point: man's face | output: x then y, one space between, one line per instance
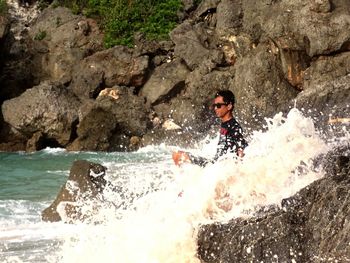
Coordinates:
220 107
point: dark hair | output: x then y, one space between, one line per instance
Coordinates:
227 96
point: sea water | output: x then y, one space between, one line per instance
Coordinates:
154 209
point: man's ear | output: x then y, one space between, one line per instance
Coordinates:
230 106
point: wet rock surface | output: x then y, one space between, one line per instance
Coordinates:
85 183
311 226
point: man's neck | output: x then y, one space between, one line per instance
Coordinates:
227 117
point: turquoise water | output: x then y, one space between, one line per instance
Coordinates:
29 182
33 177
38 176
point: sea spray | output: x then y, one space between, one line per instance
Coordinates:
276 165
161 224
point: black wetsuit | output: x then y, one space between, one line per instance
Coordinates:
230 140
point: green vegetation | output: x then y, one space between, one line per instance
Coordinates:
3 7
40 35
121 19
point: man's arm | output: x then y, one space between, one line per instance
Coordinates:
181 157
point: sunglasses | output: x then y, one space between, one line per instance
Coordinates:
218 105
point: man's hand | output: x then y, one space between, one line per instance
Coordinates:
180 157
240 153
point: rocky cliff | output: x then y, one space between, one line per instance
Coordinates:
60 87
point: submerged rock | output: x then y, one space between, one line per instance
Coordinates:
85 183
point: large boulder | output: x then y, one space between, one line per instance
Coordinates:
260 86
229 15
115 66
111 121
167 81
327 92
60 40
290 25
311 226
48 108
326 69
196 44
85 184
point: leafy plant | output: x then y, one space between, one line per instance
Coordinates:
3 7
121 19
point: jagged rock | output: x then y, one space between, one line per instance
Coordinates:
312 226
135 143
259 85
95 129
188 37
111 92
107 124
170 125
16 75
294 65
115 66
60 41
4 30
85 183
36 142
229 17
326 69
166 82
47 108
321 6
206 6
291 23
4 27
11 140
327 93
144 46
329 101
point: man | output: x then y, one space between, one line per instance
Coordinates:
231 139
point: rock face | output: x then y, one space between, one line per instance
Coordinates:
327 87
109 122
312 226
48 108
167 87
273 55
115 66
85 183
60 41
4 27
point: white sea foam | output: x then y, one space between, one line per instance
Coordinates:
160 226
53 150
